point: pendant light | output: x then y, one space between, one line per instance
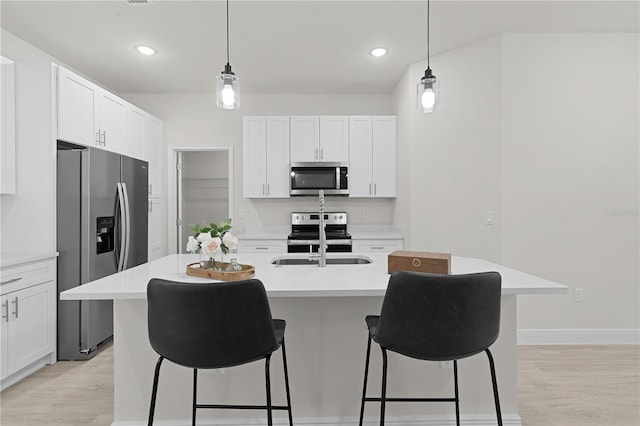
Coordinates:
227 84
428 87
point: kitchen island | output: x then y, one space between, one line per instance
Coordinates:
326 343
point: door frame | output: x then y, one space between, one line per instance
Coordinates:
172 193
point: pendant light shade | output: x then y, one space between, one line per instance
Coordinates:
227 83
428 91
227 89
428 86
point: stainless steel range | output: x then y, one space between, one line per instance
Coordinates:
305 233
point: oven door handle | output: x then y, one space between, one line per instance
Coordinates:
346 242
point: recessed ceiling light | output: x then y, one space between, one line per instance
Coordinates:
146 50
378 51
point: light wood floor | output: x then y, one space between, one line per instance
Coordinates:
557 386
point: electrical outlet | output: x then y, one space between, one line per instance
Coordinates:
242 214
577 295
488 217
446 365
254 214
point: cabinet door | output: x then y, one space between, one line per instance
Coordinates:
153 149
4 340
254 134
7 127
384 156
277 157
360 155
134 132
111 121
305 138
157 229
334 139
76 114
31 326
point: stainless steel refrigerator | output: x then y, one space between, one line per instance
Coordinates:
102 203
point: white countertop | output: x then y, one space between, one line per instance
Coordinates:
358 232
16 258
298 281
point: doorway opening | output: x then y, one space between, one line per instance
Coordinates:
202 191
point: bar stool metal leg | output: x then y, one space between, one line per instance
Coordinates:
195 391
383 396
495 386
366 375
455 379
286 383
154 392
268 382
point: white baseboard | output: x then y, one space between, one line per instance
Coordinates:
467 420
580 336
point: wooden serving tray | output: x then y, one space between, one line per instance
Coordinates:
195 270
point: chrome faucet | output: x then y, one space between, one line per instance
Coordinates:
322 246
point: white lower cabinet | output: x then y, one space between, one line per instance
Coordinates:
28 305
157 229
379 246
262 246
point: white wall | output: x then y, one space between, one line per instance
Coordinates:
451 158
194 120
543 129
570 161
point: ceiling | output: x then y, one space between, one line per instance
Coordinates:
282 46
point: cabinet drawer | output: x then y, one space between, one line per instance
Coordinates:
262 247
26 275
379 246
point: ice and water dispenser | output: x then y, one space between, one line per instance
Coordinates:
104 240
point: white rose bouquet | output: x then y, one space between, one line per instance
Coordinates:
211 240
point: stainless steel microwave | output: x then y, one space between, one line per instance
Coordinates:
309 178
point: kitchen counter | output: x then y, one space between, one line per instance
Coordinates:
298 281
326 344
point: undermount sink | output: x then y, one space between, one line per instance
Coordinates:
354 260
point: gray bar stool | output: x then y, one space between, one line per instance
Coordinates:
436 318
207 326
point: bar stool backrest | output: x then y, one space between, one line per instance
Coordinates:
440 317
210 325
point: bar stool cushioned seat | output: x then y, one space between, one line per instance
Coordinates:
435 318
217 325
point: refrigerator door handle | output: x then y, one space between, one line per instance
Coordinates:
127 213
123 235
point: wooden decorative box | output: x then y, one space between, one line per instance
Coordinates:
419 261
248 271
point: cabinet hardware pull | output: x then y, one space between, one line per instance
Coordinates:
5 305
375 189
262 248
104 138
377 248
15 301
12 280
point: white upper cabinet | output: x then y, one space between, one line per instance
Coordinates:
372 145
320 139
77 98
7 127
153 149
92 116
111 111
305 138
265 157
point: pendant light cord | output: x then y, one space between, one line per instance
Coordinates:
428 62
227 32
